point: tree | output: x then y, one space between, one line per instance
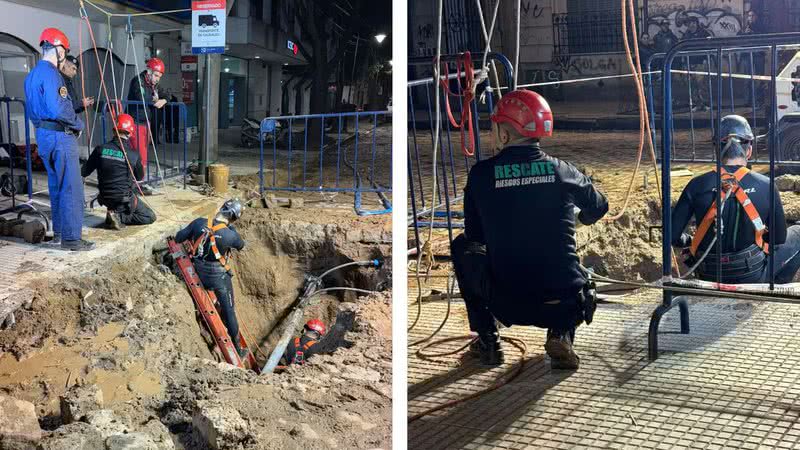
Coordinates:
318 19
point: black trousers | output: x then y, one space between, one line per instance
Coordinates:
787 263
215 278
484 304
134 212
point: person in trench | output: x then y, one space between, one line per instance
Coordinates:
306 345
212 240
745 210
118 170
516 260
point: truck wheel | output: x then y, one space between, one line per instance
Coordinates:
789 136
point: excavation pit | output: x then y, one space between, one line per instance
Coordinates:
129 328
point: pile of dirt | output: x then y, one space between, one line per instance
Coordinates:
130 329
623 248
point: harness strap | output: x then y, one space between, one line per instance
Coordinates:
731 181
208 234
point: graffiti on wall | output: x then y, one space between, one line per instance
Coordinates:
601 64
718 17
531 10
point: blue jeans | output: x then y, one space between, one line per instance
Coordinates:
59 152
215 278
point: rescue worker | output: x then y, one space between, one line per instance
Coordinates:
144 88
57 127
745 218
212 240
116 183
516 260
69 69
302 347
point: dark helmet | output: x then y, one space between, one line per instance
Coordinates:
232 209
735 126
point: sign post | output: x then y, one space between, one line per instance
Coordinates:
208 26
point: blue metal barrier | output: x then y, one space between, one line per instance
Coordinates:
168 126
334 167
716 47
8 144
744 59
453 172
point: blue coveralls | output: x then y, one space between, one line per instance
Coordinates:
50 106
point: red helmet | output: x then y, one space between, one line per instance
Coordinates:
316 325
54 37
526 111
156 64
125 123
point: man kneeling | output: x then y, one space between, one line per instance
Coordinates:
116 183
745 217
517 260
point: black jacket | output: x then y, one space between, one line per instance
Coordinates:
77 101
151 95
291 350
737 234
520 204
227 238
664 41
113 174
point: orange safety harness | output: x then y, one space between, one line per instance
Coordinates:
208 234
299 354
467 95
731 181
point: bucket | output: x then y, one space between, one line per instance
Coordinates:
218 177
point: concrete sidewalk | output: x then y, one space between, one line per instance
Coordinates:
731 383
24 263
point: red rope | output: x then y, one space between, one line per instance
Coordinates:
467 96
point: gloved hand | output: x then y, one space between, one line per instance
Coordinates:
686 241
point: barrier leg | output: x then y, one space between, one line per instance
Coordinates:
655 321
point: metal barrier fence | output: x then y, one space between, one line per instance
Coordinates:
168 127
330 164
453 169
714 48
745 84
7 143
718 47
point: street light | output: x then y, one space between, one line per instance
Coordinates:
380 37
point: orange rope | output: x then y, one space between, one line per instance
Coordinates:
113 113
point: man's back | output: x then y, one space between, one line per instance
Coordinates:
738 231
226 238
520 204
113 173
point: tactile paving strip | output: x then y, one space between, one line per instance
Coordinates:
731 383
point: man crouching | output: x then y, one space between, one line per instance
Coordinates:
517 260
118 170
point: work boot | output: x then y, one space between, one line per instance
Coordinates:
146 189
559 349
487 348
79 245
113 220
243 352
56 239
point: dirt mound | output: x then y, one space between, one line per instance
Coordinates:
623 249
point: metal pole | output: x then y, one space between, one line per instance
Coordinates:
210 111
353 74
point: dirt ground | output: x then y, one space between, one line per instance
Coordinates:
130 329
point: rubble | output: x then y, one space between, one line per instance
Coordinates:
79 401
18 422
221 427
